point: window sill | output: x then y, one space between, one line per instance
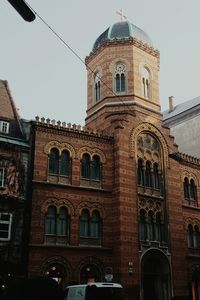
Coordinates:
149 191
89 241
90 183
56 240
59 179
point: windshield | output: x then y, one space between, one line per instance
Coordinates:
103 293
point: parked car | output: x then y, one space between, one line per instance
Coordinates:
94 291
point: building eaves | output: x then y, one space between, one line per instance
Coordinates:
183 109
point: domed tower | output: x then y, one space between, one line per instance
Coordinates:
122 72
123 101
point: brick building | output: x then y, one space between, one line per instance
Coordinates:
116 199
14 153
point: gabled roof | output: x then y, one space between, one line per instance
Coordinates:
8 111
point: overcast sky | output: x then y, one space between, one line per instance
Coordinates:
48 80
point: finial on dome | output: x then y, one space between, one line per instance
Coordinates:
121 14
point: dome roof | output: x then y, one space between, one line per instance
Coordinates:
122 31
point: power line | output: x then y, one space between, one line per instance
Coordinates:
73 51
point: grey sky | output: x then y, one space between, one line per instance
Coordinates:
48 80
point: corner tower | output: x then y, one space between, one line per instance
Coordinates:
122 72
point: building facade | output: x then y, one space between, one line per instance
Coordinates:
14 154
116 200
184 123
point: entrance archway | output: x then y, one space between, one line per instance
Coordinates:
57 272
58 268
155 276
89 273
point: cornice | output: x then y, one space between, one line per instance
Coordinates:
186 158
129 41
77 187
72 130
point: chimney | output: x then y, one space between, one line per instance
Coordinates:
171 103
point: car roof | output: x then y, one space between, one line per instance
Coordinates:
98 284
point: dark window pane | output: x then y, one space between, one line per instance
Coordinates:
4 227
156 179
95 168
62 222
150 228
85 166
65 163
122 82
50 221
5 217
148 175
117 83
190 236
84 223
4 234
186 188
95 225
143 226
192 190
140 173
54 161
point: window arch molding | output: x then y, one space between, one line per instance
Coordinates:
96 83
154 131
193 233
91 152
146 78
119 69
98 70
60 147
58 203
190 183
91 208
144 65
192 221
119 60
190 176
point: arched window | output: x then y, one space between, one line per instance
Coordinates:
140 173
62 221
97 86
50 221
143 225
196 237
84 223
150 226
146 88
95 224
156 179
148 175
158 228
85 166
186 188
120 78
190 236
65 163
95 168
192 190
54 161
90 169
